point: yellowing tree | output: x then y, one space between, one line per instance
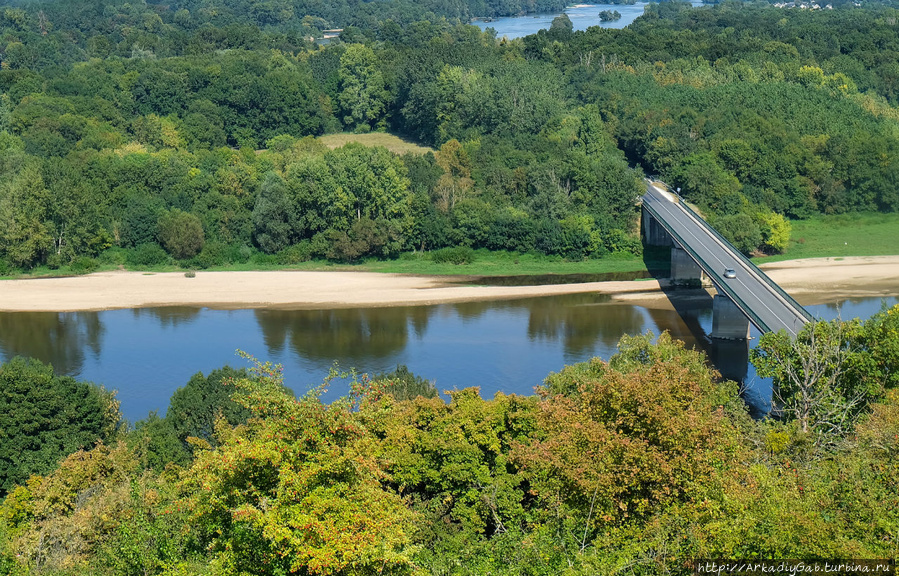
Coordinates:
296 491
455 183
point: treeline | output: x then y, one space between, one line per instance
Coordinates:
646 462
58 32
145 154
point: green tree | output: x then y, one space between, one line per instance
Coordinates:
363 93
402 384
181 233
820 380
274 220
741 230
195 407
25 237
44 417
560 28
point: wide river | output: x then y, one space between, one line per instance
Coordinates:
510 346
582 16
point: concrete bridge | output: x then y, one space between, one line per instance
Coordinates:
745 293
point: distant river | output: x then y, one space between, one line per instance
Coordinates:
582 17
508 346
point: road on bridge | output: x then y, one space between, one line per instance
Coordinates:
767 306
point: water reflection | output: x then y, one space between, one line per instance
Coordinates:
169 316
59 338
582 321
354 335
508 346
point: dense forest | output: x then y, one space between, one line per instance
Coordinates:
142 134
636 466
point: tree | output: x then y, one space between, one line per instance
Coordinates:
181 233
561 27
44 417
740 230
620 442
816 383
25 237
273 216
363 93
455 183
296 490
402 384
775 230
195 407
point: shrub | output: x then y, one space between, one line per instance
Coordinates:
181 233
295 254
150 254
84 265
54 261
114 255
212 254
457 255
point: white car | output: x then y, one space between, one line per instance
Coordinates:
730 273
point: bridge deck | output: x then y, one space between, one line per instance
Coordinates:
766 305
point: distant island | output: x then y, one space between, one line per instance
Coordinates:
609 15
623 2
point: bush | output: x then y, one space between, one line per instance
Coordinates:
295 254
84 265
54 261
5 268
113 255
212 254
457 255
181 233
150 254
263 259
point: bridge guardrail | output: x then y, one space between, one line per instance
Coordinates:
704 265
771 283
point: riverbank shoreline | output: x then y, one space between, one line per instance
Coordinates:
810 281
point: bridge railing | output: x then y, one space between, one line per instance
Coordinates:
745 308
765 278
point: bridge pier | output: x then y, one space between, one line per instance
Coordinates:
728 321
683 267
653 232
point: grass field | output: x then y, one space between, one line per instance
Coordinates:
487 263
393 143
842 235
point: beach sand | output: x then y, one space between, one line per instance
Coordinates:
810 281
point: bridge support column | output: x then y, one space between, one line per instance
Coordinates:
683 267
653 232
728 321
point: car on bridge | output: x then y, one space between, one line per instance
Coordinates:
730 273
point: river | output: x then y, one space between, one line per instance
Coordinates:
582 16
509 346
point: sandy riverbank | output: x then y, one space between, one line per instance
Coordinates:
811 281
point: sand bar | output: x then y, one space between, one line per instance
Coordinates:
811 281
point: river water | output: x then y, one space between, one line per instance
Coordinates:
509 346
582 16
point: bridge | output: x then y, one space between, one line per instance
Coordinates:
745 294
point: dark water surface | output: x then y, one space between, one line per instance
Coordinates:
507 346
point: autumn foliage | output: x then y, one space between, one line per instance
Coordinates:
636 465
